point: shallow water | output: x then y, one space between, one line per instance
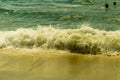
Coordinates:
54 67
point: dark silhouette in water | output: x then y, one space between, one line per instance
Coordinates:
114 3
106 6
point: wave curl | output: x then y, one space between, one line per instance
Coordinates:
84 40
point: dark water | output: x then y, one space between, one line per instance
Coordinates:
82 67
15 14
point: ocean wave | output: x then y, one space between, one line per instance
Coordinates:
84 40
6 10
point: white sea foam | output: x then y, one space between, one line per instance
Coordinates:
82 40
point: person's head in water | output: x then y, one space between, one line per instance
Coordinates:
106 6
114 3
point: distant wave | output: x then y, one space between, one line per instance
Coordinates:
24 12
85 40
6 10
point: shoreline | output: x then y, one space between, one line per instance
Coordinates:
48 52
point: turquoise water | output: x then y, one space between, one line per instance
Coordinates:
16 14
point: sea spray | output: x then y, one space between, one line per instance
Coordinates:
84 40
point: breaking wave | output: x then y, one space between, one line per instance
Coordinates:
84 40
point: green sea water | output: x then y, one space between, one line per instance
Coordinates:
65 14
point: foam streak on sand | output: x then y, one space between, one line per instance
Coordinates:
84 40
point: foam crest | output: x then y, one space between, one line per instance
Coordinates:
83 40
